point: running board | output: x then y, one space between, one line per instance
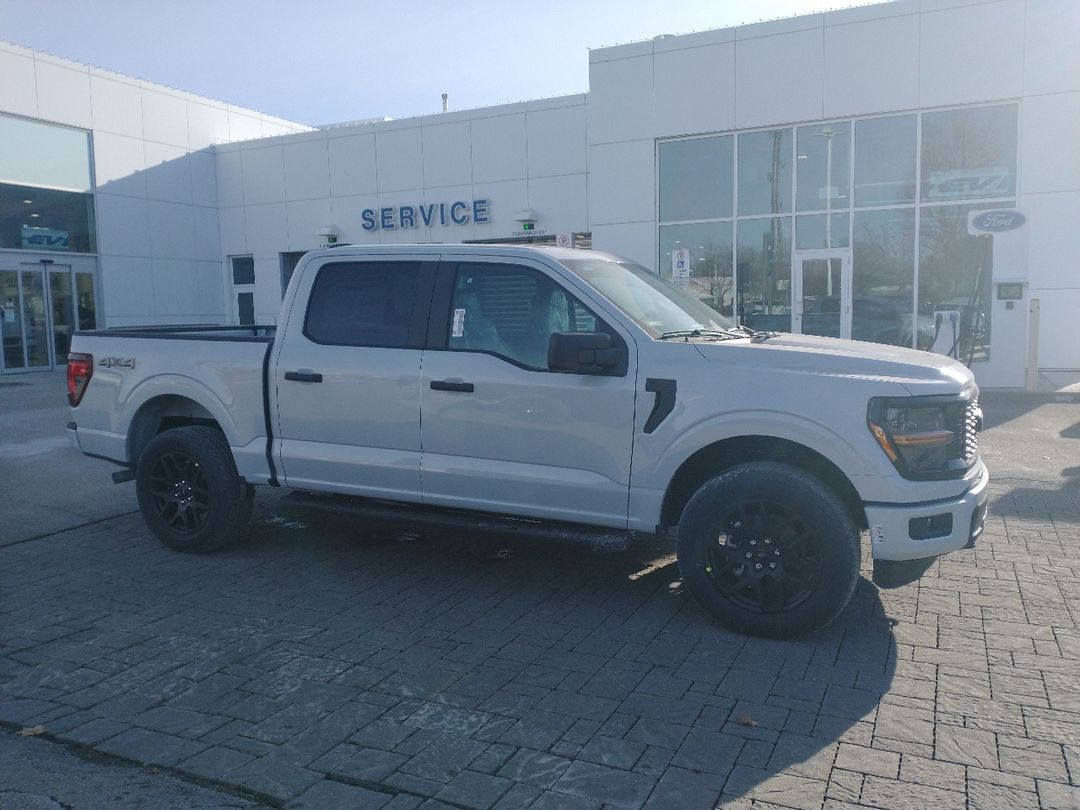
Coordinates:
599 539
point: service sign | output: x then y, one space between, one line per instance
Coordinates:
996 221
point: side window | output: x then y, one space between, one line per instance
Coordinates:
512 311
363 304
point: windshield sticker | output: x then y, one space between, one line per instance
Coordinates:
459 323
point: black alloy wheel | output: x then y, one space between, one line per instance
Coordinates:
189 491
767 549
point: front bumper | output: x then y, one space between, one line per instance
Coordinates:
891 524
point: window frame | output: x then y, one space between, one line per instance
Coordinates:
418 319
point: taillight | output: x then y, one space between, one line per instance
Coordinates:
79 371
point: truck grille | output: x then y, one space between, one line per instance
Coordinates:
972 421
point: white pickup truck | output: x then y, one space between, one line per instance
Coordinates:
561 389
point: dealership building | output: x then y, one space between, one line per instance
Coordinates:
905 173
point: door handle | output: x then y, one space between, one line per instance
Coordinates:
303 376
451 385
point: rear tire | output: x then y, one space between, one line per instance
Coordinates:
189 492
768 549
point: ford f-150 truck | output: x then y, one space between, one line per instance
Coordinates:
558 388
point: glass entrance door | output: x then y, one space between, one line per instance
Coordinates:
821 294
41 307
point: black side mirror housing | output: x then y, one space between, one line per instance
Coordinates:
587 353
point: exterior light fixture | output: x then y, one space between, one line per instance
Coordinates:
328 235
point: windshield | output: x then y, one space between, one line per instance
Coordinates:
656 305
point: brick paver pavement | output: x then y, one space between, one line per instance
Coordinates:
343 667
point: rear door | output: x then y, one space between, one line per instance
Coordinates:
347 377
500 431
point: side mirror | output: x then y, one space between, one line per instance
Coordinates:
586 353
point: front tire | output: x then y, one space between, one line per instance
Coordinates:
768 549
189 492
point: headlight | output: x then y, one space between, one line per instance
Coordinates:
922 436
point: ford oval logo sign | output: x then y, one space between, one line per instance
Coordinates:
997 221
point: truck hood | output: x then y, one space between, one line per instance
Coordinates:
921 373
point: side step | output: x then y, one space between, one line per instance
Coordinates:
598 539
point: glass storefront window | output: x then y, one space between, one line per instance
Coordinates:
696 179
33 153
885 161
710 260
765 172
954 276
822 166
883 301
46 219
816 231
764 273
969 154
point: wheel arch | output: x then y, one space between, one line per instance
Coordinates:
715 458
161 413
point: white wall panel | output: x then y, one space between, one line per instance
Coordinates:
266 229
203 178
233 231
207 235
345 215
620 99
211 292
119 164
631 240
621 183
307 169
1049 150
305 217
1052 46
18 90
264 175
123 225
974 53
872 66
1053 241
695 90
165 118
507 198
63 94
447 154
168 173
779 79
399 158
172 230
243 127
127 289
352 164
116 106
176 288
561 202
230 177
207 125
557 141
498 148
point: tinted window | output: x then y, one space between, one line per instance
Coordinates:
512 311
363 304
243 270
969 154
885 161
765 172
696 178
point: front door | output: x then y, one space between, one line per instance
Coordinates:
502 433
821 294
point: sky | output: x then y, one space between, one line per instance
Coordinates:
329 61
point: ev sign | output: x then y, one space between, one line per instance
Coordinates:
680 267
